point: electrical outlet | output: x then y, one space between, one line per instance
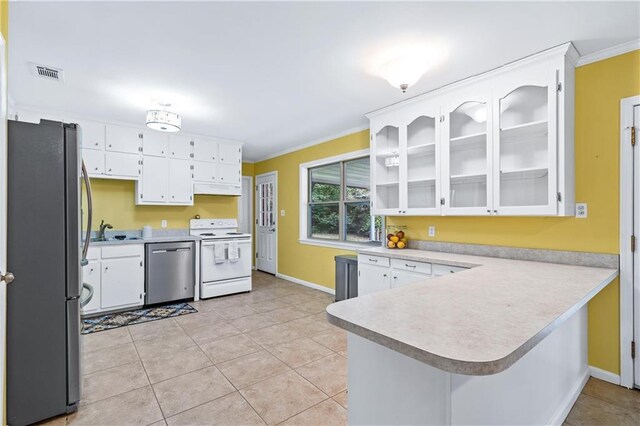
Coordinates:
163 223
282 213
581 210
432 231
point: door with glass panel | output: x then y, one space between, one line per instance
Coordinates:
266 225
525 144
385 166
466 158
420 160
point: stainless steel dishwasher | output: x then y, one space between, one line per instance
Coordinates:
170 272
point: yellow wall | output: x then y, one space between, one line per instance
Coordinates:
113 201
4 20
309 263
599 88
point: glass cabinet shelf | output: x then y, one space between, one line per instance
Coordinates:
387 183
476 137
468 178
426 148
527 173
524 131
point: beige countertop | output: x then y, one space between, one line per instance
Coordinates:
476 322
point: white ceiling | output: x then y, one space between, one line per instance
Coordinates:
275 75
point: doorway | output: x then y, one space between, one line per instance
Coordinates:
245 206
266 222
629 244
3 221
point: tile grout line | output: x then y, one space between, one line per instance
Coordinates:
148 378
610 402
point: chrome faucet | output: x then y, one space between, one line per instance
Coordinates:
103 227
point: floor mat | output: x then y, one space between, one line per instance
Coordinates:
122 319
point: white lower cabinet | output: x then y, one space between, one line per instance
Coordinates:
379 273
117 276
372 279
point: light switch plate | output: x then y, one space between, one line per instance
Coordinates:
581 210
163 223
432 231
281 212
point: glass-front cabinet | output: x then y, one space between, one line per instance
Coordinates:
467 178
525 144
496 144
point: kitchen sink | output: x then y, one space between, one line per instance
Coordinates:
97 239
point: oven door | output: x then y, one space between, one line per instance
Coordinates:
212 271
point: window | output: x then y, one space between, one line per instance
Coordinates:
337 202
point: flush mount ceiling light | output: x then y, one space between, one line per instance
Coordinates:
163 120
404 65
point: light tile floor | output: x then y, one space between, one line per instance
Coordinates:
268 356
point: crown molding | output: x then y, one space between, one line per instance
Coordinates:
314 142
609 52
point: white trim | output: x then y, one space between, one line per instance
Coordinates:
3 219
336 244
605 375
304 182
569 401
307 284
275 209
252 194
315 142
626 230
609 52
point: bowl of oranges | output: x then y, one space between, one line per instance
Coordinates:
396 238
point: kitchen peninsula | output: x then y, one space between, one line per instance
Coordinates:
502 342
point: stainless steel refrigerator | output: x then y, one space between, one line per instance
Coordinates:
45 254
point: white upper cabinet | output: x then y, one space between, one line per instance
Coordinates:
94 161
205 172
180 183
496 144
122 165
205 150
153 188
123 139
421 170
466 165
230 153
385 169
230 174
92 134
525 143
155 143
180 146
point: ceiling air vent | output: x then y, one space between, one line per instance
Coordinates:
49 73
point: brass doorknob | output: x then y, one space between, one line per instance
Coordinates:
8 277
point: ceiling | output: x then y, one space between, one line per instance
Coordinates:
275 75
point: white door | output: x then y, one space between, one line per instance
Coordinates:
180 183
155 143
155 179
123 139
245 206
266 222
636 257
372 279
122 282
3 217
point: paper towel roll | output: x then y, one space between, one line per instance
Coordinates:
147 232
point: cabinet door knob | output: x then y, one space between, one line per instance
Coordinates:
109 169
106 268
96 144
109 145
222 159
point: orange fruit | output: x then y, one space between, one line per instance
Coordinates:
391 244
400 244
395 239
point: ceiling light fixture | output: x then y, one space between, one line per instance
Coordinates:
404 71
163 120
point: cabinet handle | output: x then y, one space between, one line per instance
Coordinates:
410 266
141 263
106 268
489 211
162 196
109 145
173 153
109 169
373 260
495 211
96 144
95 168
91 270
385 275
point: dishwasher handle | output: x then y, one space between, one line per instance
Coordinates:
170 250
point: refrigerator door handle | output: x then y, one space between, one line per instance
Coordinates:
87 238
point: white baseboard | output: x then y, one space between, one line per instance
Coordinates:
306 283
605 375
571 399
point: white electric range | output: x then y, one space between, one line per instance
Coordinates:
221 272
